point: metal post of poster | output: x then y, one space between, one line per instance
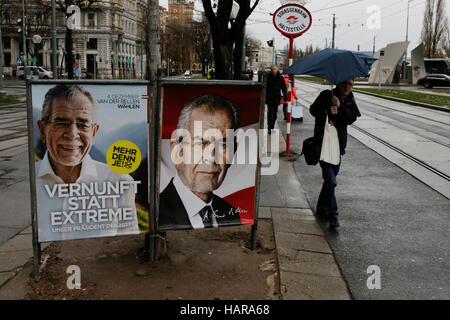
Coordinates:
291 20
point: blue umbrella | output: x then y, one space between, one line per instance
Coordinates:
333 65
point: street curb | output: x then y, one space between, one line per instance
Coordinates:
13 104
420 104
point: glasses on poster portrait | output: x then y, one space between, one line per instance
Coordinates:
203 149
64 125
206 144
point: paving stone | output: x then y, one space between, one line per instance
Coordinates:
10 261
5 276
300 286
287 253
310 263
286 224
18 243
28 230
12 143
264 213
293 213
302 242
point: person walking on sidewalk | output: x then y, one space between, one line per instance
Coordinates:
275 84
339 104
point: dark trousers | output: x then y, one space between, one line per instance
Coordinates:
272 111
327 199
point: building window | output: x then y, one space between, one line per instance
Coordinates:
91 19
7 57
6 43
92 44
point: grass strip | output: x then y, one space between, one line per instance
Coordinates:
9 100
434 99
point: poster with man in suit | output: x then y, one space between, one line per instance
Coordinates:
208 157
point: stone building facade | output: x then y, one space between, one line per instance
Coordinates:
110 41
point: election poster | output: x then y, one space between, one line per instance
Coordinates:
209 152
91 159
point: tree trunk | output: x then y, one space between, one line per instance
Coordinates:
69 53
237 54
222 55
223 38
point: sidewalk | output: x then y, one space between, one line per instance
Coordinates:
307 268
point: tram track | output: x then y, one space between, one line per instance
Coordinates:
368 100
405 154
437 173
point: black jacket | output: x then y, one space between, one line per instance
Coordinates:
173 215
347 114
275 84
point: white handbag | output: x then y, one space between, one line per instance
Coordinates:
330 152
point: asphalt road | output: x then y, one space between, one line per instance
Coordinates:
389 218
14 186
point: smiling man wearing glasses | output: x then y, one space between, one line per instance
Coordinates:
68 128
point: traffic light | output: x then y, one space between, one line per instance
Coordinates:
256 57
270 43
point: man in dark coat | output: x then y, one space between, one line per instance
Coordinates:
342 111
275 85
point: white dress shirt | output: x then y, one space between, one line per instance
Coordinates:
193 204
91 171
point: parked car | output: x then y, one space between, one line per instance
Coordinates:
434 80
34 70
188 74
84 75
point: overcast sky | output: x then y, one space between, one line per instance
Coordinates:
351 20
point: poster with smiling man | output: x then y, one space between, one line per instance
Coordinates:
90 150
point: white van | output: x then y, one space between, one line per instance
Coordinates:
43 73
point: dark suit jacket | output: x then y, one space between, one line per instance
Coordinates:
173 215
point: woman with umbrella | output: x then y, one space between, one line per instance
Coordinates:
339 107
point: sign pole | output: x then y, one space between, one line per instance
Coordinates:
289 110
291 20
380 68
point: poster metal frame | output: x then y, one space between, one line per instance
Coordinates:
210 83
31 170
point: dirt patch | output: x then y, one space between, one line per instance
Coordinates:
199 264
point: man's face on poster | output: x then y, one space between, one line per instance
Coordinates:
70 130
205 172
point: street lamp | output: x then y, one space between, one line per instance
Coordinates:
406 52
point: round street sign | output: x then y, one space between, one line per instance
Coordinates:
292 20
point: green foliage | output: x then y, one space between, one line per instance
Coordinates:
8 100
313 79
434 99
